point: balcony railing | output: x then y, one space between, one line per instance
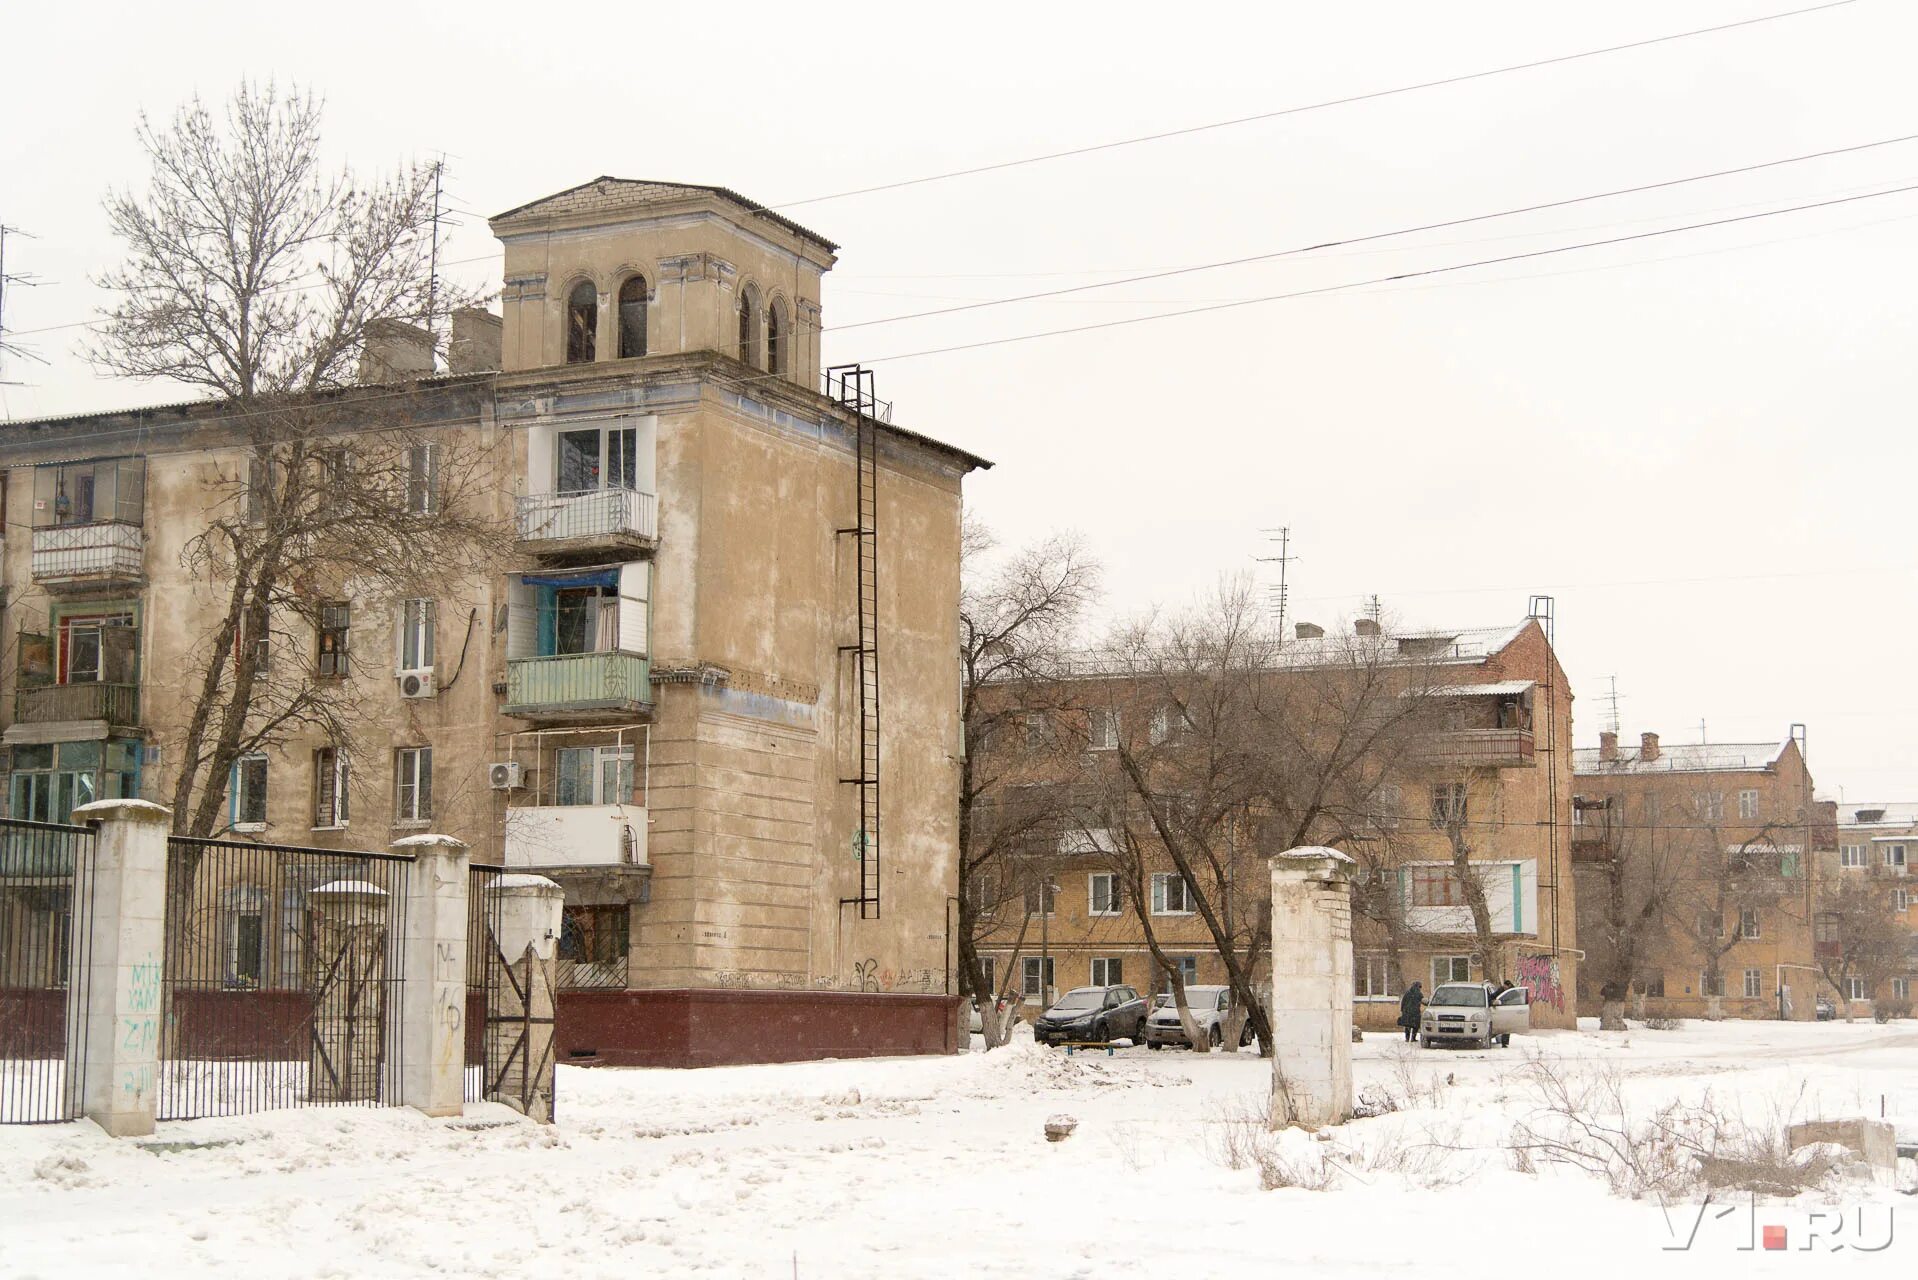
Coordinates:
52 703
572 684
84 553
589 517
1465 747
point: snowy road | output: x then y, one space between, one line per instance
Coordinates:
920 1167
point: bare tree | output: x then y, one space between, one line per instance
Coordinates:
1634 879
1723 873
1858 936
254 273
1018 619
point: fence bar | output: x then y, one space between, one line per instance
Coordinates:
46 927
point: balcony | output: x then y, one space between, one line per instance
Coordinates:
590 521
579 687
85 557
577 837
1490 748
114 704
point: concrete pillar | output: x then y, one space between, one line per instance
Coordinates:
113 1046
1311 1003
347 969
429 1036
521 1005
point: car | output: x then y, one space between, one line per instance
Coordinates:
1826 1009
976 1022
1210 1007
1092 1015
1468 1012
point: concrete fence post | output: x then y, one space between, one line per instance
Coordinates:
523 1001
114 1045
1311 1006
428 1039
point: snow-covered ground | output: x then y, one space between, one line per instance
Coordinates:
939 1167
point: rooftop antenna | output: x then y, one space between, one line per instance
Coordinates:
1611 706
1373 609
1278 597
433 260
17 278
1701 731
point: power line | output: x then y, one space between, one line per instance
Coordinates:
1371 96
1397 276
1378 235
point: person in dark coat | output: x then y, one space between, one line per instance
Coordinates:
1410 1005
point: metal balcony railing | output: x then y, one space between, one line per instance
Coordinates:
109 549
587 515
1495 747
53 703
573 682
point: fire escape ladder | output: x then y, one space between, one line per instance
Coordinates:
852 387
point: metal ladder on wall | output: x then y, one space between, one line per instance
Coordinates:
851 386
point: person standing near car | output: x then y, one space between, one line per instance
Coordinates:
1410 1006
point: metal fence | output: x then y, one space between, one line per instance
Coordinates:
282 978
483 965
45 922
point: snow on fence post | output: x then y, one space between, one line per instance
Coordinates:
114 1045
428 1039
1311 1005
521 1003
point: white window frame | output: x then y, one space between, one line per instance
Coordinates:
1748 932
1901 988
1443 967
1748 805
1161 729
1370 976
414 635
1032 976
1856 989
1102 729
423 480
1854 857
1161 894
336 819
1115 897
1048 890
241 901
1711 806
1107 971
1900 899
1705 985
251 760
1895 855
1754 984
412 773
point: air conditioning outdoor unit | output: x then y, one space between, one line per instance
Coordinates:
504 776
417 684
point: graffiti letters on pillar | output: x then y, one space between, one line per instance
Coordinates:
1539 975
140 1026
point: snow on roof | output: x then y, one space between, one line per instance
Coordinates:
1493 689
1879 814
1692 757
1468 646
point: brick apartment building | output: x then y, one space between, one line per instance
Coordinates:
1878 843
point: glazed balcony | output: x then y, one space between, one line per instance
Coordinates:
595 521
579 687
115 704
104 555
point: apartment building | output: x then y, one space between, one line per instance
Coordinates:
668 696
1877 845
1495 768
1730 839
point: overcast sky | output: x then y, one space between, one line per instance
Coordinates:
1695 442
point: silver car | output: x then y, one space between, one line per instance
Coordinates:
1210 1007
1474 1013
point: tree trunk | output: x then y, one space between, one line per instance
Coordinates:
1611 1015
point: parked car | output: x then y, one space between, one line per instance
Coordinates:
1474 1012
1210 1007
1826 1009
1094 1014
977 1023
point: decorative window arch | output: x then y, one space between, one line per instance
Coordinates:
632 317
749 325
582 323
778 336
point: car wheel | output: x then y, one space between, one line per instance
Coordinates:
1216 1037
1102 1033
1153 1044
1425 1042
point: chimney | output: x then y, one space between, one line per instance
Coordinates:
1308 630
1365 627
1648 746
1608 745
475 347
395 351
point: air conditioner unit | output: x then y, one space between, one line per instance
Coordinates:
417 684
504 776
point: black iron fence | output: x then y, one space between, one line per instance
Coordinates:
483 966
45 922
282 978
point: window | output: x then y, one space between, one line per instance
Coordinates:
1901 988
329 787
95 648
423 480
1854 855
1788 864
1171 895
260 496
1387 804
1748 805
582 323
1162 722
1855 989
248 797
335 619
980 892
1711 806
245 937
1107 972
1041 898
1748 923
1029 982
1448 804
416 635
50 780
593 941
776 336
413 784
1434 886
1102 729
1710 985
593 775
1035 727
1368 977
86 492
988 966
1649 983
632 318
1451 969
1895 856
1188 967
1754 983
748 348
1900 899
1104 897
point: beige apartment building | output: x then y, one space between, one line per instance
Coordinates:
713 690
1734 836
1500 769
1878 844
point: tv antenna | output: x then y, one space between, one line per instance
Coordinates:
1278 597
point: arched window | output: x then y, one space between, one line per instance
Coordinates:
776 337
632 318
582 323
749 325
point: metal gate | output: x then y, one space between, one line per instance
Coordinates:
282 978
482 958
46 910
510 1008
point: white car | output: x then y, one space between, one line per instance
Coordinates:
1474 1012
1210 1007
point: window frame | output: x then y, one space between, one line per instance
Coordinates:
1042 898
333 632
1032 975
252 762
1902 858
330 789
1102 729
1451 805
1161 894
418 627
423 479
1748 804
1856 989
1114 969
1454 965
1854 857
412 785
626 310
1370 976
1115 896
1749 926
579 331
1754 984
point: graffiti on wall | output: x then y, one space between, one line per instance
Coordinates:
1539 975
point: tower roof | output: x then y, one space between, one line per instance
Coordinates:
606 194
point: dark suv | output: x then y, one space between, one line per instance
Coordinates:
1092 1014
